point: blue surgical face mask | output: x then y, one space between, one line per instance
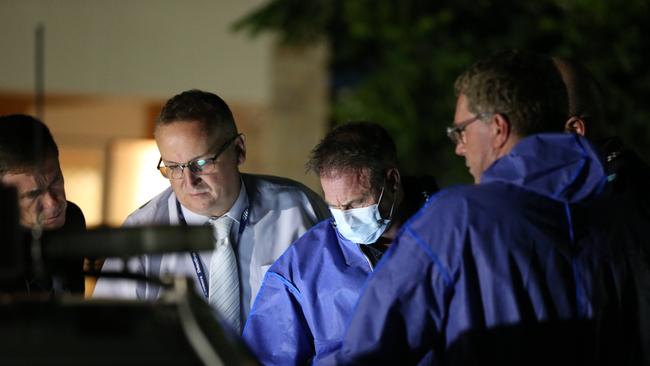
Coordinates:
362 225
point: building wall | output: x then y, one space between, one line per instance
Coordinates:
110 65
144 47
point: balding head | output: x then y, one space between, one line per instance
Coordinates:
586 112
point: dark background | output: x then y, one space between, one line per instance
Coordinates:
394 61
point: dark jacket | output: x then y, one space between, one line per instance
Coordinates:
55 276
629 189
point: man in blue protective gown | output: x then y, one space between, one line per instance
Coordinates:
302 308
517 269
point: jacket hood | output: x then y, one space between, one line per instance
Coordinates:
564 167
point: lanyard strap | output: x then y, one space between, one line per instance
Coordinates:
196 259
200 274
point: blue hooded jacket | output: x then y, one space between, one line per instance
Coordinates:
526 246
306 297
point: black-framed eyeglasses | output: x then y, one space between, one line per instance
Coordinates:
198 167
456 132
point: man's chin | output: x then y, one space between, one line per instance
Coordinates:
197 195
198 204
54 222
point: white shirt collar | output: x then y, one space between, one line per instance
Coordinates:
240 204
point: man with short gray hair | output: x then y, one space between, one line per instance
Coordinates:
255 217
522 267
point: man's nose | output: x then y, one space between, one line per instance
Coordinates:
460 149
190 178
50 200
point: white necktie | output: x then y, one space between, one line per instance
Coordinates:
224 278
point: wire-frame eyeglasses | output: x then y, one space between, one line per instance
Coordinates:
197 167
456 132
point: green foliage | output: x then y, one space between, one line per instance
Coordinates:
296 21
395 61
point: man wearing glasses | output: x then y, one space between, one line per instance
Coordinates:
525 266
255 218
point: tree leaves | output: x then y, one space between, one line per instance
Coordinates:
395 61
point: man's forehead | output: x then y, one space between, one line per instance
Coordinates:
31 178
196 128
25 181
359 177
462 107
343 187
182 141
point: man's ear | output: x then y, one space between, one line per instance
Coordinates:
575 124
501 130
240 148
393 179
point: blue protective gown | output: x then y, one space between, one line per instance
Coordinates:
527 246
307 295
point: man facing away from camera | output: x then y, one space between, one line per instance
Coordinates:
628 179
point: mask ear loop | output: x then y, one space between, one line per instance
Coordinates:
392 206
390 215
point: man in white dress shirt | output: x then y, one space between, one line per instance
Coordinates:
201 151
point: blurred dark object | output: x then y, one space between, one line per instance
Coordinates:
180 329
55 265
11 255
564 342
20 271
66 273
628 173
43 326
629 183
126 242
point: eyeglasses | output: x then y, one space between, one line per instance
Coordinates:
456 132
197 167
